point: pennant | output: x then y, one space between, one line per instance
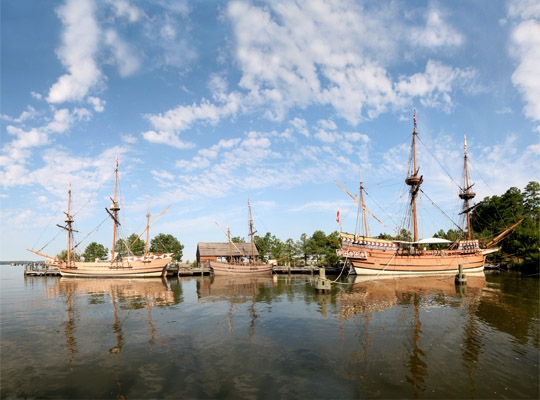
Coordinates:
338 219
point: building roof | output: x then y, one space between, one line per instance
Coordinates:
224 249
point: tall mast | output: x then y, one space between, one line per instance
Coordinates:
147 231
466 193
363 206
251 232
414 180
230 242
114 208
69 221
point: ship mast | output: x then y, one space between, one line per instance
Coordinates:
252 232
147 232
414 181
69 221
113 211
466 193
363 205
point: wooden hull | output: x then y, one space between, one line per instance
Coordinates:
388 262
220 268
130 267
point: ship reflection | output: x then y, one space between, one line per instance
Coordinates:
236 290
124 295
408 297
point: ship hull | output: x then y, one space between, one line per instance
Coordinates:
425 263
130 267
220 268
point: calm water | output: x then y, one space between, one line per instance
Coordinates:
269 338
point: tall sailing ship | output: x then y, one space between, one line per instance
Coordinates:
246 264
375 256
145 266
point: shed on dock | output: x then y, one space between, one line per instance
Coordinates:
214 251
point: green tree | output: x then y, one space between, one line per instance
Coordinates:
264 245
63 256
95 251
531 196
495 214
163 243
291 251
238 239
404 235
334 242
277 248
315 246
302 246
133 245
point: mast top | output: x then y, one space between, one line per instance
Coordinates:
414 121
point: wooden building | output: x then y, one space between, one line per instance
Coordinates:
222 251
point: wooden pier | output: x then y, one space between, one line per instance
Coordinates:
186 270
40 270
295 270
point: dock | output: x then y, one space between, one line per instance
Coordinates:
186 270
40 270
295 270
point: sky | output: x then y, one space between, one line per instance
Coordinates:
207 104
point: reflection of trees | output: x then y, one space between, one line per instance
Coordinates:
236 290
125 295
509 312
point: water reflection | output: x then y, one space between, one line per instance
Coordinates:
410 297
270 337
235 290
124 295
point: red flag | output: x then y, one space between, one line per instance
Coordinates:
337 217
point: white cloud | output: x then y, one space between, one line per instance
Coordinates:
314 53
126 10
300 125
167 138
525 48
434 86
124 54
29 113
97 103
524 9
437 32
80 42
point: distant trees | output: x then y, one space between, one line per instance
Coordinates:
319 248
521 250
95 251
167 244
63 256
132 246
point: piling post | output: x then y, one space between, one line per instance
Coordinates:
461 278
322 283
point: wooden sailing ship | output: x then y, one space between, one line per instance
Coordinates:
247 264
147 265
375 256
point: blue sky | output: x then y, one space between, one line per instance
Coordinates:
207 103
